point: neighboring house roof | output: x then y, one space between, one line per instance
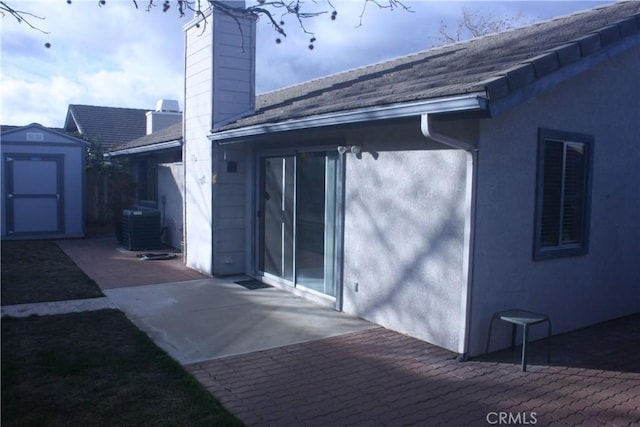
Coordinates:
109 125
467 73
169 137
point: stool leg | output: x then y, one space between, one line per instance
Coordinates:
549 342
525 333
489 335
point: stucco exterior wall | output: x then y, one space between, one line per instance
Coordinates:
576 291
171 196
404 237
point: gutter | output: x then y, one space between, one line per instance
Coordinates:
145 148
460 103
427 128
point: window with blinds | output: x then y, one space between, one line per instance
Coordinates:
562 206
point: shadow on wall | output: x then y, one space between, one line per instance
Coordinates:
404 241
171 185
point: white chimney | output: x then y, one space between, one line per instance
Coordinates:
168 106
219 88
167 113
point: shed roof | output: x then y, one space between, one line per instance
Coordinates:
9 132
109 125
9 128
492 66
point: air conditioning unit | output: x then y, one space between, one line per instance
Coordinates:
141 229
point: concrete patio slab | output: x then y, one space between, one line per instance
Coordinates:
211 318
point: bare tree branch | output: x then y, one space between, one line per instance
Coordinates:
388 4
21 16
275 11
473 24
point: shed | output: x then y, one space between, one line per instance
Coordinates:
42 183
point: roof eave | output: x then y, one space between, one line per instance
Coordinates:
145 148
71 115
546 82
460 103
78 141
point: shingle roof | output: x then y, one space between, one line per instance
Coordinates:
9 128
493 65
111 126
168 134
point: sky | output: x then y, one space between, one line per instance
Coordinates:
119 56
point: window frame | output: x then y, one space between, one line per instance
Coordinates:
543 251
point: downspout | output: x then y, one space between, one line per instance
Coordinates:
184 245
427 128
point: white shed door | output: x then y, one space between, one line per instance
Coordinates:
35 199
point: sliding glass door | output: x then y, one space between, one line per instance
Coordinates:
297 221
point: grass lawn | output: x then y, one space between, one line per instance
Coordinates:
96 369
86 369
39 271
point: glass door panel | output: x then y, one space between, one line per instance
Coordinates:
310 221
276 219
315 218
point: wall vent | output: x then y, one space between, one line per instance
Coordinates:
35 136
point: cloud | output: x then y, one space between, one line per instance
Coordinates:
113 55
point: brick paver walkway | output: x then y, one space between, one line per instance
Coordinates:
111 266
379 377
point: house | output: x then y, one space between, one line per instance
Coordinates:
428 192
156 161
105 128
109 126
42 183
